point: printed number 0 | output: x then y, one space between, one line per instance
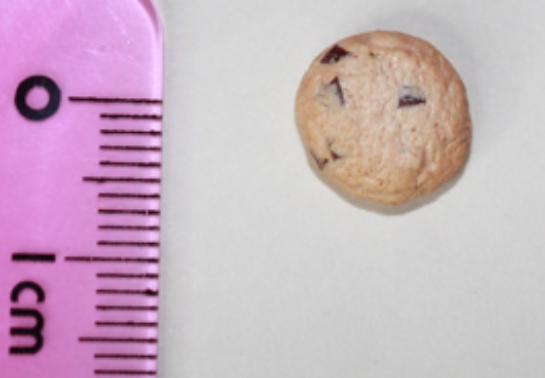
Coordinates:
38 114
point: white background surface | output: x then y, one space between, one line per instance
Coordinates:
267 272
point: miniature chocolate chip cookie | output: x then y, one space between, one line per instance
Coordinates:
384 116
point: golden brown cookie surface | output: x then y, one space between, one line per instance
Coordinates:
384 116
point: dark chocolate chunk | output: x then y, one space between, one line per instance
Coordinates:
411 95
320 162
335 156
338 90
334 55
409 100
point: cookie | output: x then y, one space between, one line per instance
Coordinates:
384 116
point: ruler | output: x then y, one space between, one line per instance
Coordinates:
81 124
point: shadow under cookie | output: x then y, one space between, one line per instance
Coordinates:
388 210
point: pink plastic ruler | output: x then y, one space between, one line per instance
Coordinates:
80 157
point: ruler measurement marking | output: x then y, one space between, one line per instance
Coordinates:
33 257
109 100
101 259
107 163
128 228
125 372
103 180
127 324
127 356
130 340
126 308
130 195
155 133
153 117
130 212
130 148
149 276
111 243
147 292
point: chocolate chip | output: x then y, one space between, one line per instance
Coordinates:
334 55
411 95
338 89
320 162
335 156
410 101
